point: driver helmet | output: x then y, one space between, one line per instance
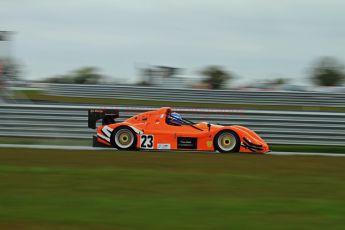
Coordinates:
174 119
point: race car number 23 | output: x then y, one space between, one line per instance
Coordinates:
146 141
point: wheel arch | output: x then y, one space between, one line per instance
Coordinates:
227 129
124 126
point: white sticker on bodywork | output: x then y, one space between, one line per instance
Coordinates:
136 130
106 133
163 146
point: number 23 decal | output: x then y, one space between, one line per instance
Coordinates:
146 141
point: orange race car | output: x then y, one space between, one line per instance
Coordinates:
163 129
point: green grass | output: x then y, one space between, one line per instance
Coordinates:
37 95
308 148
45 141
59 189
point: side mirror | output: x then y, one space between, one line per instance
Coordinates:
209 126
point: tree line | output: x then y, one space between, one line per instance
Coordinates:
325 71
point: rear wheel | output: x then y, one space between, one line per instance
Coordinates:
124 138
227 141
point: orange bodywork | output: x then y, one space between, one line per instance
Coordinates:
166 136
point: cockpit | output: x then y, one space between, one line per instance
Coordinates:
174 118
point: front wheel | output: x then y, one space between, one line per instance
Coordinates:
124 138
227 141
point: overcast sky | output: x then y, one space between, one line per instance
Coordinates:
255 39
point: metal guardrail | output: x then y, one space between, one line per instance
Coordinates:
276 127
198 95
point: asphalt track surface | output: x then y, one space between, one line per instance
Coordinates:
111 149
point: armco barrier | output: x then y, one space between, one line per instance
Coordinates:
278 127
198 95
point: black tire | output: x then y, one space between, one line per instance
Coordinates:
124 138
227 141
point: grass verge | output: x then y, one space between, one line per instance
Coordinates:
44 141
55 189
308 148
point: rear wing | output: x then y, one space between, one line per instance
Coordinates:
108 116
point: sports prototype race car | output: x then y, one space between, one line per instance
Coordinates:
163 129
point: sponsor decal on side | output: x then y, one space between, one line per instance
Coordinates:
163 146
186 143
209 144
